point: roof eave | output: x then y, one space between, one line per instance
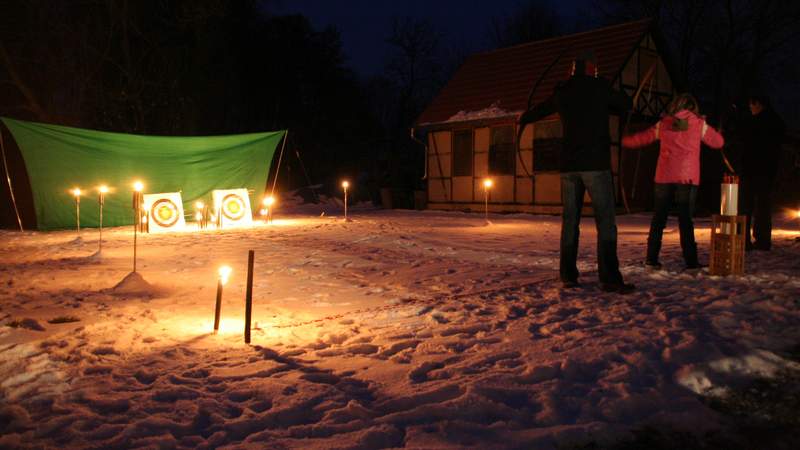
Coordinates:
474 123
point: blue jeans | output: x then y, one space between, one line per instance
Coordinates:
601 190
685 196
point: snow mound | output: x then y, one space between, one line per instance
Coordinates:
135 285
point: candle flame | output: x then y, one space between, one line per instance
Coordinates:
103 189
138 186
269 201
487 183
345 184
76 192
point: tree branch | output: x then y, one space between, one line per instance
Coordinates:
23 88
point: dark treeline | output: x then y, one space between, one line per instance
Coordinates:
186 67
202 67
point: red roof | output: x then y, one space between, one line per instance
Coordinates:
499 82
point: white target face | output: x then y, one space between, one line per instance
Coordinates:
232 207
164 212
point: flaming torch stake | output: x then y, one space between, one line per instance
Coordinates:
102 200
487 184
224 273
137 208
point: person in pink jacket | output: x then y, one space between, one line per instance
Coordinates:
680 133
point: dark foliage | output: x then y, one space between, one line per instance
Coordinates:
186 67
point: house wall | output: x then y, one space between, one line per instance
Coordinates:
439 163
532 188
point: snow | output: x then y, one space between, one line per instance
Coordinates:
492 112
416 329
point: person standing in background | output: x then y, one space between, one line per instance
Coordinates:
762 135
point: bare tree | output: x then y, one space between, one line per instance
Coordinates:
722 48
415 65
531 22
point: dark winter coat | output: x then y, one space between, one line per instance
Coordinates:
583 104
762 136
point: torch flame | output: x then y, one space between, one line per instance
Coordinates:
224 273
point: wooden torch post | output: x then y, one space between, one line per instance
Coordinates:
248 300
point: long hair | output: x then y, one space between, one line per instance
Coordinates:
679 103
683 101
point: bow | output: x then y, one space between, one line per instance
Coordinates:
722 131
648 77
530 100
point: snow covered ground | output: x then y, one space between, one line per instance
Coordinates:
399 329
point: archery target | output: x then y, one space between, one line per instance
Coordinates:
232 207
164 212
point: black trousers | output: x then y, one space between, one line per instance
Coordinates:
685 195
756 202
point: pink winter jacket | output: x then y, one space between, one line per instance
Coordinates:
679 157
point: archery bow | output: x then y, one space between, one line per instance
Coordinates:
722 150
530 100
636 95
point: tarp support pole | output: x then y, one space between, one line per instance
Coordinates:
305 172
280 158
8 179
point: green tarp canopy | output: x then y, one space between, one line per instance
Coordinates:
59 159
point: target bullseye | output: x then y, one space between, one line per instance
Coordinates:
165 212
232 207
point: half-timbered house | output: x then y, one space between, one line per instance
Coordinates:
472 132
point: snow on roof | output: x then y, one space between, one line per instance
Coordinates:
503 78
494 111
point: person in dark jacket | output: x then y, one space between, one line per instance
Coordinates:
583 103
762 135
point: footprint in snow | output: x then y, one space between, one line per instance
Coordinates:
321 377
420 373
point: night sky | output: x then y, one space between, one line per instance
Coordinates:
365 24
